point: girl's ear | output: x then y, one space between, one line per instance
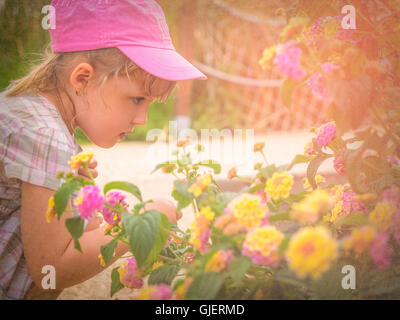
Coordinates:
80 76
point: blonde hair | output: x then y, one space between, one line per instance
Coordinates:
48 75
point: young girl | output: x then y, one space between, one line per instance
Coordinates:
110 59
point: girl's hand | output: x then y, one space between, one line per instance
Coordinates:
165 206
84 174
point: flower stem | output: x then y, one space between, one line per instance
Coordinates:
85 165
265 158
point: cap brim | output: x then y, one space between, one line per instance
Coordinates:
163 63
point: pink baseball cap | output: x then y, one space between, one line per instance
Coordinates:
136 27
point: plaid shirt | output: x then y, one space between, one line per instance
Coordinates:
34 145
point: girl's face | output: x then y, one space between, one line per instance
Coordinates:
108 114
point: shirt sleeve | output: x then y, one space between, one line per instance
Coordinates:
36 155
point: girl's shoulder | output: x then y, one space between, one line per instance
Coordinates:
28 111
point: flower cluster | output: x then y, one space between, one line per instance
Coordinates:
128 274
51 212
279 185
381 216
261 245
311 251
89 201
360 240
318 180
200 230
201 184
310 209
219 261
113 199
80 159
247 210
381 251
287 58
326 133
161 291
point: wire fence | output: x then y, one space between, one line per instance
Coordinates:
231 42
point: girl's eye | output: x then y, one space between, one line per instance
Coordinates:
137 100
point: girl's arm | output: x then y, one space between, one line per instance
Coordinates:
51 244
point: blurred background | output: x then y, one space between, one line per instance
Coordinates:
223 38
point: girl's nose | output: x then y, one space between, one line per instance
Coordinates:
141 117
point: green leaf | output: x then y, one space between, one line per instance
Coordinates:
116 284
75 226
283 246
356 219
107 250
211 164
125 186
300 158
148 233
289 277
205 286
62 195
161 236
162 165
182 200
268 171
221 201
285 215
286 91
164 274
181 194
238 268
313 168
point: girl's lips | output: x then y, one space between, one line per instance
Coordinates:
122 135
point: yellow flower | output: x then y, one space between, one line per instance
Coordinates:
81 158
207 213
201 184
381 216
318 180
311 251
331 28
157 264
261 245
247 210
279 185
102 262
309 210
268 57
232 173
360 240
259 146
51 212
219 261
182 288
335 213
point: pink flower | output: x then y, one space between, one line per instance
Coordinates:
317 83
392 195
338 164
381 251
326 133
113 199
287 59
396 226
127 274
90 201
350 205
392 160
327 67
163 292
